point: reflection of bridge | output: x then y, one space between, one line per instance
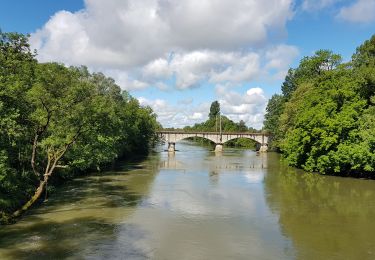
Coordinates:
218 138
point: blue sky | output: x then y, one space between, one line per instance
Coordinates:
179 56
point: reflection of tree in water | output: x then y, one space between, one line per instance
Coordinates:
326 217
84 217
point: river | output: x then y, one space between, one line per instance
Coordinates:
200 205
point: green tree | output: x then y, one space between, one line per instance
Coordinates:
289 85
364 65
323 121
17 65
242 126
57 121
214 110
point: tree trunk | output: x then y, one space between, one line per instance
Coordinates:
35 197
53 159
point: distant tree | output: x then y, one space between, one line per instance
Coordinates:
242 126
214 110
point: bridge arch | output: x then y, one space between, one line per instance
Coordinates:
242 137
210 138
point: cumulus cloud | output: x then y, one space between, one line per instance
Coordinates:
279 59
133 32
180 44
362 11
144 42
192 68
249 107
177 116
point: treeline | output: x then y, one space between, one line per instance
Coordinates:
324 120
56 122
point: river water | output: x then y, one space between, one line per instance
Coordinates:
200 205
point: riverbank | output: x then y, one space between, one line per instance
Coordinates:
59 180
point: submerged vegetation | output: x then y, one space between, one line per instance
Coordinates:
324 120
57 121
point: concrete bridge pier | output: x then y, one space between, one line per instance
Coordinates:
263 148
171 147
219 147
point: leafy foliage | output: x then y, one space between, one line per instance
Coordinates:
214 109
56 121
324 120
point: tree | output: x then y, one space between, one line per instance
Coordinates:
214 110
17 65
57 121
63 111
81 120
323 121
364 65
289 85
311 68
242 126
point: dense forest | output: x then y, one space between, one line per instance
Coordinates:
58 121
324 119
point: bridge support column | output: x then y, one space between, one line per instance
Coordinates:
263 148
171 147
219 148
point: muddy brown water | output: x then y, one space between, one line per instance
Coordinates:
200 205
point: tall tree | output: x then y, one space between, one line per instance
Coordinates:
214 110
242 126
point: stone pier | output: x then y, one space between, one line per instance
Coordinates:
219 148
263 148
171 147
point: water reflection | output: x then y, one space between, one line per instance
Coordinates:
82 217
326 217
197 204
216 209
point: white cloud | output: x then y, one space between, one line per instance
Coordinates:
362 11
179 115
196 116
193 68
176 44
249 107
124 34
280 58
125 81
157 69
143 43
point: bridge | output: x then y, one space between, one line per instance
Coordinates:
171 137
